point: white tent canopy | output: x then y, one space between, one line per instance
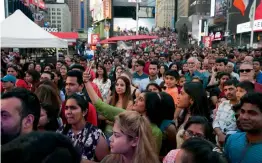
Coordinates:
18 31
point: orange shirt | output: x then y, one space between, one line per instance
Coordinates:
174 93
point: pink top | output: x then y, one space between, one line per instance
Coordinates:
171 156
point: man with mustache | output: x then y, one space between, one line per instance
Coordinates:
224 122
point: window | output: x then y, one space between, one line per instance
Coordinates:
53 9
58 9
58 25
58 21
53 17
53 22
53 13
59 13
59 18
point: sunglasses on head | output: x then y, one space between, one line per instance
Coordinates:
245 70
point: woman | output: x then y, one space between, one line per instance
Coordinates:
122 93
147 104
14 70
132 141
162 70
102 81
48 118
135 92
32 77
196 126
153 87
184 69
88 139
59 83
31 66
63 71
48 67
48 94
193 101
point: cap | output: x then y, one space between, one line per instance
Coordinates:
9 78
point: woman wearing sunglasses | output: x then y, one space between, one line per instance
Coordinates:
196 126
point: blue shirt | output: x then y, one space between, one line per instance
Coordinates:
144 82
198 74
259 78
137 78
237 149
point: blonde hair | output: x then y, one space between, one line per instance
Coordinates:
134 125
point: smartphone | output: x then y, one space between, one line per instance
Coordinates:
90 66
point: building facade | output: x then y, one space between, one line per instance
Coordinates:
80 13
182 8
165 11
60 17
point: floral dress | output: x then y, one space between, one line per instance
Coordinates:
85 141
103 87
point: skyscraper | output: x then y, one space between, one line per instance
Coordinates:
79 11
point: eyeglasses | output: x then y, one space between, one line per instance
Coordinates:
190 134
245 70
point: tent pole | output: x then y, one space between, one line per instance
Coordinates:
57 56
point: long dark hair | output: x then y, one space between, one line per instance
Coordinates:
200 102
105 77
127 94
52 116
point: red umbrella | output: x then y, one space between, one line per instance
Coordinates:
135 37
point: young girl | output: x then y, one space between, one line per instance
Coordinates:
132 140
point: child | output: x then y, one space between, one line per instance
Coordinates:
171 81
243 88
182 81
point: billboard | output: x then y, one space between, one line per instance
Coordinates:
220 8
151 3
130 24
199 7
236 18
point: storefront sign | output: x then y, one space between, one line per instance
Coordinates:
95 38
107 4
207 41
216 36
50 29
246 27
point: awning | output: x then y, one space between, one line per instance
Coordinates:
70 37
135 38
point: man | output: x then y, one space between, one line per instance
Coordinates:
152 78
68 61
247 73
230 70
224 122
59 64
246 147
139 74
8 83
20 112
192 61
46 75
257 68
75 84
218 68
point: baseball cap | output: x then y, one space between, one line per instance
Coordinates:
9 78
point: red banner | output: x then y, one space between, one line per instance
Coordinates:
35 2
95 38
207 41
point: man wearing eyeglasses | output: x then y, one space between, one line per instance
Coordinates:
247 73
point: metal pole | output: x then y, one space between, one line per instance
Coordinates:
227 26
252 25
137 16
240 39
6 8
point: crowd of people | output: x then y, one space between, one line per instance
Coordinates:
154 103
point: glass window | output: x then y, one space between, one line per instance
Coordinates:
58 21
53 9
59 17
